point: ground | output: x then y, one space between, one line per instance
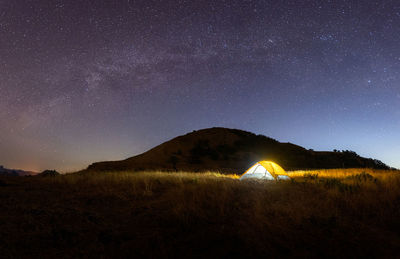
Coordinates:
326 213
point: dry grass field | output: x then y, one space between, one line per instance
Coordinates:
324 213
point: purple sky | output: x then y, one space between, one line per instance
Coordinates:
84 81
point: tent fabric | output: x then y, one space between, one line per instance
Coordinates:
266 170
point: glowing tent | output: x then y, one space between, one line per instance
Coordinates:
265 170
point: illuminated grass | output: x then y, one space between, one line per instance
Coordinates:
339 173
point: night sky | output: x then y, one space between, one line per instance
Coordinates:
85 81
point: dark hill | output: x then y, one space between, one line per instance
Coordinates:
232 151
14 172
47 173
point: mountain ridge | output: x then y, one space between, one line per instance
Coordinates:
14 172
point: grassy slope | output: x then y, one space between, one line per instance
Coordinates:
159 214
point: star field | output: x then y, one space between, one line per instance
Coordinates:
99 80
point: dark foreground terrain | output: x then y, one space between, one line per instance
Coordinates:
114 215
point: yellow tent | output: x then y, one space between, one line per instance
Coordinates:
265 170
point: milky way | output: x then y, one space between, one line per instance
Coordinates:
83 81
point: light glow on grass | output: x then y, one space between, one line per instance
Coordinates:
343 173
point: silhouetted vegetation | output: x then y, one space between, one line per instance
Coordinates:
202 149
47 173
174 160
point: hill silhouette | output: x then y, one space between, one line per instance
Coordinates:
14 172
47 173
232 151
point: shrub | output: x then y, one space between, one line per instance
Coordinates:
363 177
311 177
